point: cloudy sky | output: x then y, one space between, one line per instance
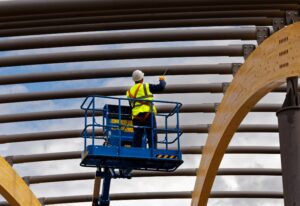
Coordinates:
153 184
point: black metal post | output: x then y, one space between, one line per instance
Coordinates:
104 198
289 132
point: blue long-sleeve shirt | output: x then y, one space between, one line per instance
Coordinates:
157 88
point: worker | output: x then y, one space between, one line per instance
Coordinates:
143 112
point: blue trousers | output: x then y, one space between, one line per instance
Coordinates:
144 120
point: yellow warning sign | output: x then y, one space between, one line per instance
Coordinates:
126 125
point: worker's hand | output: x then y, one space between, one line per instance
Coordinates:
162 78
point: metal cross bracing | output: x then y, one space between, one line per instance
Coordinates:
65 20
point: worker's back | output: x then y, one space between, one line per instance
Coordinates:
143 109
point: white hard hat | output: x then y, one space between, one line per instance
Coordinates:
137 75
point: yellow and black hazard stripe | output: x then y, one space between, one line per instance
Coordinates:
163 156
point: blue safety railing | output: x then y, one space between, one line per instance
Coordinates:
108 123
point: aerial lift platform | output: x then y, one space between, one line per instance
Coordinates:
108 139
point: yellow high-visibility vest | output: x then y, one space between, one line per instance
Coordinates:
142 92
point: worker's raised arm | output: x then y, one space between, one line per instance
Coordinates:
156 88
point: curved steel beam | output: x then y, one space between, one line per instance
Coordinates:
166 195
115 54
141 17
62 114
276 59
249 171
236 150
91 175
76 113
38 7
258 21
42 136
180 172
112 91
19 159
82 93
222 68
13 188
96 12
249 33
200 128
159 195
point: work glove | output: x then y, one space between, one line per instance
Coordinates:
162 78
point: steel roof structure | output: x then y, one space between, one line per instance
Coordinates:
41 33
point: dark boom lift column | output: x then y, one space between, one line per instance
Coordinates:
289 132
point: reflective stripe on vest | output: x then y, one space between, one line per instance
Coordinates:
142 92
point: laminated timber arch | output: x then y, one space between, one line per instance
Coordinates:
13 188
276 59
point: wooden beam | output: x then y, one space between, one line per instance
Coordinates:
13 188
276 59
